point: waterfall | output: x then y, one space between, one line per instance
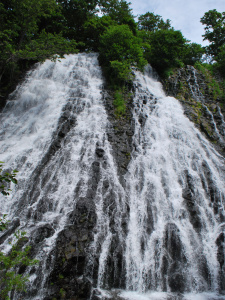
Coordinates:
51 135
175 190
158 235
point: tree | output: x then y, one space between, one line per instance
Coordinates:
22 18
119 49
23 39
220 58
120 12
166 49
93 29
76 13
152 22
193 52
46 46
214 30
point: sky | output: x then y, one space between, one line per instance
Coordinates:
184 14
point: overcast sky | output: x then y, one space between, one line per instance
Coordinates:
184 14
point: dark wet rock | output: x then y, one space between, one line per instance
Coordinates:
115 274
212 191
41 233
142 120
11 228
174 261
120 132
220 252
70 258
220 242
189 197
177 283
99 152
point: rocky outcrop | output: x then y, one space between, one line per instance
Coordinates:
67 279
120 132
202 98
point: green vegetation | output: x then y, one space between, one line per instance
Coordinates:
119 50
216 88
119 103
33 30
151 22
5 179
62 293
214 22
197 106
192 54
167 49
11 264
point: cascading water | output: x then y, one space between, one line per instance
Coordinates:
215 120
51 135
159 236
175 191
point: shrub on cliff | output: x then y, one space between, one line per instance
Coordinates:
167 49
119 50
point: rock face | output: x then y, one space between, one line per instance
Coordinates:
120 132
67 279
203 102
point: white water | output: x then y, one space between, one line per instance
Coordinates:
30 127
145 236
30 123
168 147
194 87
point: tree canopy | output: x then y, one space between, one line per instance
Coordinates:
119 49
26 35
214 22
152 22
33 30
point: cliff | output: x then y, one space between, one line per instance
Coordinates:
202 97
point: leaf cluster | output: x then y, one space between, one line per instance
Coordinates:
119 50
10 264
151 22
214 22
33 30
30 31
5 179
18 257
